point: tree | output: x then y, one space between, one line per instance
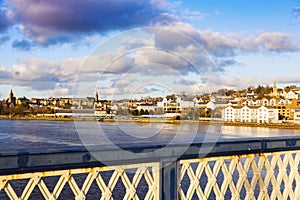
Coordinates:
142 112
146 112
122 112
151 112
202 113
193 114
135 112
24 104
1 108
230 92
217 113
206 112
196 114
281 117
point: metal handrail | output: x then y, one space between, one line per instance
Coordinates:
172 165
21 161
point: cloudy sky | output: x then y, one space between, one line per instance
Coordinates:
137 48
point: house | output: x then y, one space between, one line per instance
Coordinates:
102 107
22 100
187 103
296 115
269 101
231 113
83 103
176 104
65 103
267 114
290 95
147 107
170 104
251 102
285 110
258 114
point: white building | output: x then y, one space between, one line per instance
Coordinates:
186 103
284 102
258 114
269 102
148 107
170 105
250 102
175 104
290 95
296 115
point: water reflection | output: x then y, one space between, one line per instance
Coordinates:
20 134
256 132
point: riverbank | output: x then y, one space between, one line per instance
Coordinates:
262 125
205 122
36 118
159 120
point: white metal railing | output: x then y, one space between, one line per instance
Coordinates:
242 169
254 176
148 171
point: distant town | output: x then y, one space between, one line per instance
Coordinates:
261 104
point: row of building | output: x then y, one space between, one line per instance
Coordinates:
272 107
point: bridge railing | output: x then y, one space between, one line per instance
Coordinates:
240 169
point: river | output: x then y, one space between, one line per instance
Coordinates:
31 134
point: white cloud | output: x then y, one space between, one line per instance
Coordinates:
149 53
277 42
193 14
59 92
230 44
291 79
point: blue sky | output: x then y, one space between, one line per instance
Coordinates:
75 47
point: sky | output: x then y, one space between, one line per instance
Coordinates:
141 48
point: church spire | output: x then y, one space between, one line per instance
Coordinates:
11 99
274 86
11 94
275 91
96 96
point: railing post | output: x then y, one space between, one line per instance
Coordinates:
168 184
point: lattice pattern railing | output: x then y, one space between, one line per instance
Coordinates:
130 176
263 176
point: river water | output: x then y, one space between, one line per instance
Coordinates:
32 134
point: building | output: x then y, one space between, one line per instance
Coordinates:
65 103
170 104
275 92
290 95
257 114
251 102
102 108
22 101
146 107
186 103
285 110
83 103
296 115
11 100
175 104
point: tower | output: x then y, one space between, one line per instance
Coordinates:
275 91
96 97
11 99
